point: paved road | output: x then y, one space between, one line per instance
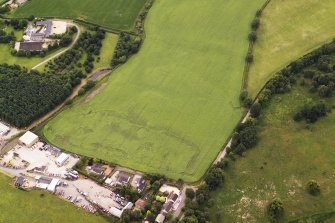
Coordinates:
12 172
63 51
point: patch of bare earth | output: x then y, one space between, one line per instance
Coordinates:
94 93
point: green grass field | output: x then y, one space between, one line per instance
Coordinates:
289 30
30 207
114 14
288 155
170 109
107 51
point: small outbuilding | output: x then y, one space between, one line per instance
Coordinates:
30 46
53 184
60 161
19 181
28 139
160 218
4 129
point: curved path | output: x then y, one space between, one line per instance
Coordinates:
63 51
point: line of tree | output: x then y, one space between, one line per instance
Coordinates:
127 45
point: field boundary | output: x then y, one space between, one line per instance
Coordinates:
257 96
250 51
245 113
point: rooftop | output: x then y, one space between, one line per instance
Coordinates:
31 46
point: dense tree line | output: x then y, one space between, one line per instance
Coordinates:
143 14
127 45
25 96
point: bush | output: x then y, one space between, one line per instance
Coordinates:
190 193
259 13
252 37
324 91
65 40
311 113
247 103
313 188
255 110
243 95
255 24
249 58
275 210
214 178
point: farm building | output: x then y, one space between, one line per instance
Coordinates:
160 218
62 159
53 184
167 207
96 168
118 212
55 151
30 46
28 139
123 178
4 129
43 182
19 181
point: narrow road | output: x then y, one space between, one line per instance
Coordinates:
63 51
182 202
223 152
12 172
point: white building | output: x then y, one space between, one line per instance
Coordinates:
4 129
28 139
52 186
160 218
118 212
62 159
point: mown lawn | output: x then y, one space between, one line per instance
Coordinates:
170 109
30 207
289 30
107 51
288 155
114 14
